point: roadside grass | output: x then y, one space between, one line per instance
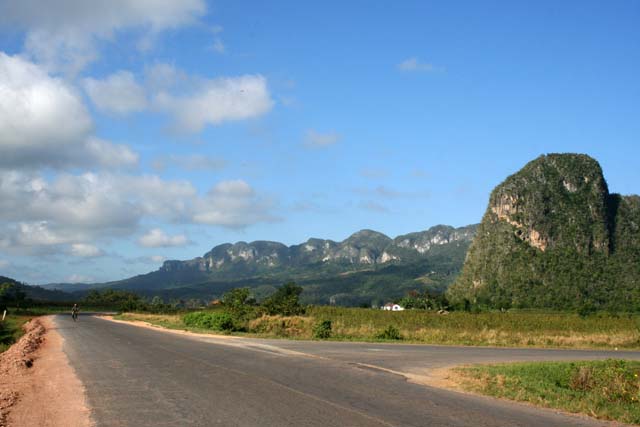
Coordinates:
500 329
11 330
608 389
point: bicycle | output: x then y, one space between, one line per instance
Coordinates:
74 313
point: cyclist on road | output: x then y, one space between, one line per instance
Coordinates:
74 312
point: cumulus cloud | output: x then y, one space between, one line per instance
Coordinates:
232 204
36 109
85 250
43 122
214 101
33 238
47 214
118 93
314 139
162 76
62 34
415 65
104 153
81 208
156 238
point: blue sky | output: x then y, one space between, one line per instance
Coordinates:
137 131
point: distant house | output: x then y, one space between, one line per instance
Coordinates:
392 307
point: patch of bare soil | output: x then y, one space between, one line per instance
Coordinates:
38 387
445 377
14 364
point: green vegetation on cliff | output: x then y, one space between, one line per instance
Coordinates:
553 236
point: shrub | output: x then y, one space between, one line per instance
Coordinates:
284 301
390 333
293 326
322 330
220 321
238 302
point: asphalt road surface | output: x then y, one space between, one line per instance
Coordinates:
143 377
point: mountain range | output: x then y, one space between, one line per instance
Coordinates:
366 266
553 236
364 248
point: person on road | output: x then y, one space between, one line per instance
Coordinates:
74 312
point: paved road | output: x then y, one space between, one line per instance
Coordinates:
142 377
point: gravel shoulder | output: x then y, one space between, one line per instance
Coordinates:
38 386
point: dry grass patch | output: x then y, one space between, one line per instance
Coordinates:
282 326
510 329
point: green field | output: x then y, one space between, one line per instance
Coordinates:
514 329
11 330
607 389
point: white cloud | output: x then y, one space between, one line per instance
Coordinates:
81 208
372 206
106 154
157 238
162 76
118 93
374 173
157 258
48 214
79 278
33 238
414 65
195 102
62 34
214 101
190 162
36 109
4 263
43 122
85 250
218 46
232 204
384 192
316 139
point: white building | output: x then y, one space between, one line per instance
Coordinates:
392 307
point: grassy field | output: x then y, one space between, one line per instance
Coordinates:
11 330
517 329
607 389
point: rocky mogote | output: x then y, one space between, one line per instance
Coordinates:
553 236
